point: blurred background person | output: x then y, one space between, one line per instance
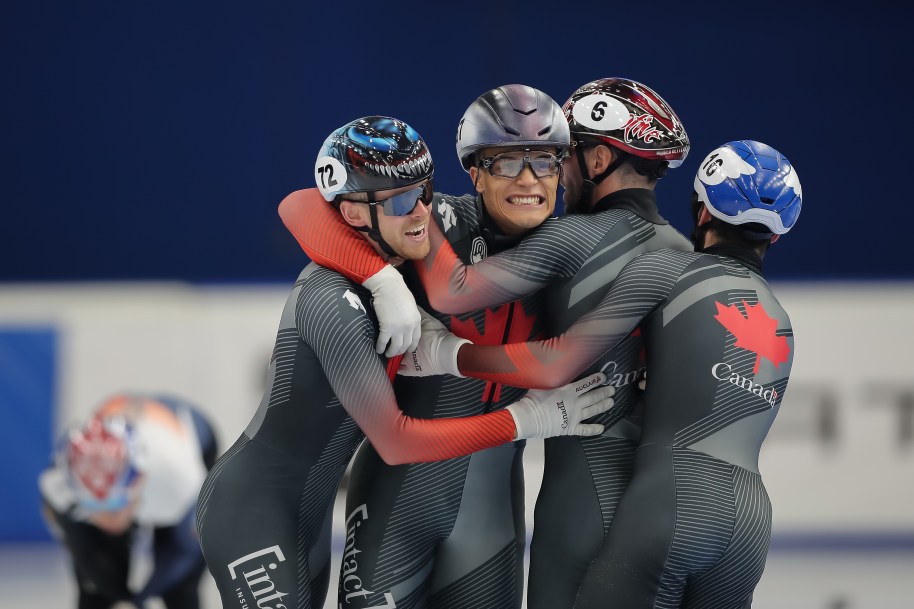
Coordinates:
121 496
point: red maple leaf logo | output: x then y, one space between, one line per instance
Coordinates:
493 333
754 332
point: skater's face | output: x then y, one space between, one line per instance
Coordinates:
403 217
518 186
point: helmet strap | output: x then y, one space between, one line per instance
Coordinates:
698 231
698 236
621 157
650 169
587 185
585 199
375 233
753 235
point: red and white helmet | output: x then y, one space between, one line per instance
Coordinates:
102 460
630 116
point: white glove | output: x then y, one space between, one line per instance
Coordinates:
398 315
436 353
544 413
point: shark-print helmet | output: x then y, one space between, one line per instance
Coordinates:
371 154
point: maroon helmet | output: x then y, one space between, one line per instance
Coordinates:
630 116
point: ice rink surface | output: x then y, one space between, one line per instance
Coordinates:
799 575
37 577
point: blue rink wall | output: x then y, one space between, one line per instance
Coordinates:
28 378
155 139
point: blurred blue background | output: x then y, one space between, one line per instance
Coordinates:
150 140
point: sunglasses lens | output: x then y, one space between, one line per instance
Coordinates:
404 203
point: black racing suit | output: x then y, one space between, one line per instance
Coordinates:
575 258
451 533
693 526
265 509
102 561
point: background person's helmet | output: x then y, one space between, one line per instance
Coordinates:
630 116
512 115
371 154
102 461
745 182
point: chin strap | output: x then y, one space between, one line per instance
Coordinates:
587 187
698 236
374 232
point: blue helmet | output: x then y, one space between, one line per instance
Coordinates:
371 154
749 182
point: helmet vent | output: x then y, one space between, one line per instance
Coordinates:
767 200
509 117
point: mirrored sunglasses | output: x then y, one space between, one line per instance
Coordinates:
404 203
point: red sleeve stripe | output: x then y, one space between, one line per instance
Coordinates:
326 238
